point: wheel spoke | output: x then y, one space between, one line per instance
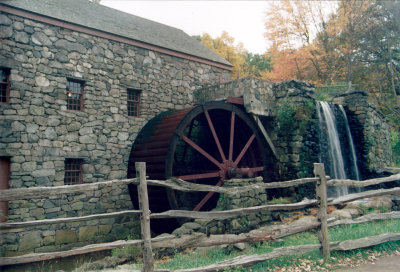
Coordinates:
244 150
210 124
207 197
257 169
199 176
189 135
200 150
232 135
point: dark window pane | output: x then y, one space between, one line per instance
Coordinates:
4 85
73 171
133 102
74 95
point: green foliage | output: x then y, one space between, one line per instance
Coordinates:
366 210
234 269
255 64
327 92
357 231
130 252
395 146
294 115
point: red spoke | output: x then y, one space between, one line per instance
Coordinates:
245 148
210 124
232 135
189 134
199 176
207 197
200 150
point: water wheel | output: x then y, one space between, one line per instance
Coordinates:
205 144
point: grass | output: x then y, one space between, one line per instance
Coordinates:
190 259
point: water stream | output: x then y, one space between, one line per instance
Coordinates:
356 171
340 163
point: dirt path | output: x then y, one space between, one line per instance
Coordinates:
384 264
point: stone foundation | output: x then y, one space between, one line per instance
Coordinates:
64 236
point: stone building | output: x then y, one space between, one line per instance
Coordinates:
78 81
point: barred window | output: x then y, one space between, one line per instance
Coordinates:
73 171
134 102
75 95
4 85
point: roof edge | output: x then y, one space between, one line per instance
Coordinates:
110 36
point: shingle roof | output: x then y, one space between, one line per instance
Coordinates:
99 17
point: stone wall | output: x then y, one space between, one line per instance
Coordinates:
370 131
64 236
294 128
38 132
258 95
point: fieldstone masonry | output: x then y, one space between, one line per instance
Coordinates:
38 132
64 236
370 131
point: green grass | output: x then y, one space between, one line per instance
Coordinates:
339 233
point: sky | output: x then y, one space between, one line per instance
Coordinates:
243 20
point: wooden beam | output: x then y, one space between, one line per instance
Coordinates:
264 234
362 183
365 242
7 226
265 134
352 197
221 215
181 185
37 257
249 260
321 193
148 260
173 183
366 218
44 192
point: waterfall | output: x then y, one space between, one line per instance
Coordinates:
334 161
356 171
337 149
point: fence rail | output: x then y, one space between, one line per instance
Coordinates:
201 240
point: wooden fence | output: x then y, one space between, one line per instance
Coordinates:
201 240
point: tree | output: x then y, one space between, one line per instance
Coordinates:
292 27
224 46
255 64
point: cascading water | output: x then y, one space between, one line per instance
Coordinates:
356 171
333 142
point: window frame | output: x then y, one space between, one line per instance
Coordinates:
70 177
132 103
81 93
6 83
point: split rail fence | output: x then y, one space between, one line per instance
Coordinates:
200 239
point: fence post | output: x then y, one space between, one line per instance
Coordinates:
148 260
319 171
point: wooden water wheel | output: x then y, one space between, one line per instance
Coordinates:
205 144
